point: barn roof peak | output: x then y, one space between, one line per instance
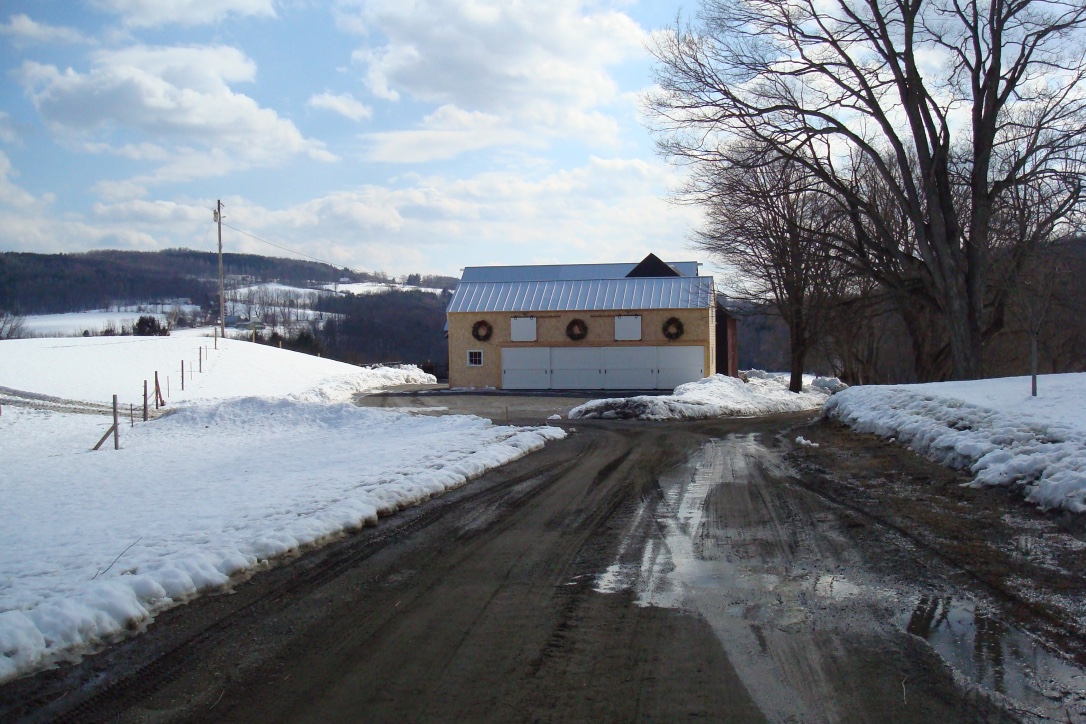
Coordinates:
653 266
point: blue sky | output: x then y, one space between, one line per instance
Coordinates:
391 135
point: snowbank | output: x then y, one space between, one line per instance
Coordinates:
260 457
715 396
1009 438
197 497
93 369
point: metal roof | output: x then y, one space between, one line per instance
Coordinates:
562 272
584 294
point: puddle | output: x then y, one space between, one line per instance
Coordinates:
998 656
743 577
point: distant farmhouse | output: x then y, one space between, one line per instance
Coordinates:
649 325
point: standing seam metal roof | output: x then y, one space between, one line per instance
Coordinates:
585 294
562 272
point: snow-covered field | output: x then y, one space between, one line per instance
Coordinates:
260 456
376 288
96 368
73 324
716 396
994 428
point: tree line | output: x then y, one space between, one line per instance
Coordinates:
886 171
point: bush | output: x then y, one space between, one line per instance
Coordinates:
149 326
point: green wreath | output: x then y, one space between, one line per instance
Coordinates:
482 330
577 329
673 328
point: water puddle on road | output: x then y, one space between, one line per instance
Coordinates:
721 543
996 655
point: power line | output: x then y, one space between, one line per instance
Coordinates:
277 246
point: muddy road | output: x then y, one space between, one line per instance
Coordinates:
632 571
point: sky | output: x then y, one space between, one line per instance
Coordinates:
380 135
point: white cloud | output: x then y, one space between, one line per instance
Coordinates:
179 99
491 54
8 132
26 30
156 13
540 68
445 134
344 104
605 210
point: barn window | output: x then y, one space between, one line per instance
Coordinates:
628 327
475 358
522 329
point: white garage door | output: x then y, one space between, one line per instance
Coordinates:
629 368
526 368
577 368
676 365
601 368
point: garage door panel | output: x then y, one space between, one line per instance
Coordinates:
527 358
678 365
514 379
526 368
576 358
616 378
574 379
676 357
629 358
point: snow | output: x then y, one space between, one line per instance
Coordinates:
376 288
259 457
73 324
717 396
96 368
993 428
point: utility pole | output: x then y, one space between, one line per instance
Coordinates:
222 295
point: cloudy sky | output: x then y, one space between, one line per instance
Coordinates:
391 135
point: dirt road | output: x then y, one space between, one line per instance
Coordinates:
629 572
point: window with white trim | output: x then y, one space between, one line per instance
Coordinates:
628 327
475 358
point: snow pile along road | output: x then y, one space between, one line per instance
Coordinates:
716 396
255 460
993 428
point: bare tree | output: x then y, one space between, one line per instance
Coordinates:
12 327
950 102
763 220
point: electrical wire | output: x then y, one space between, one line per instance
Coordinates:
277 246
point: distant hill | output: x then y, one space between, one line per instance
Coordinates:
54 283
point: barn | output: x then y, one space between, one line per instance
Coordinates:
637 326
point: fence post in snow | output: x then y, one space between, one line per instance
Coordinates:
200 351
116 438
145 400
131 415
182 376
216 336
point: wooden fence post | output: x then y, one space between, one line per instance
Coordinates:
131 415
158 390
201 353
116 438
145 400
216 336
182 375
